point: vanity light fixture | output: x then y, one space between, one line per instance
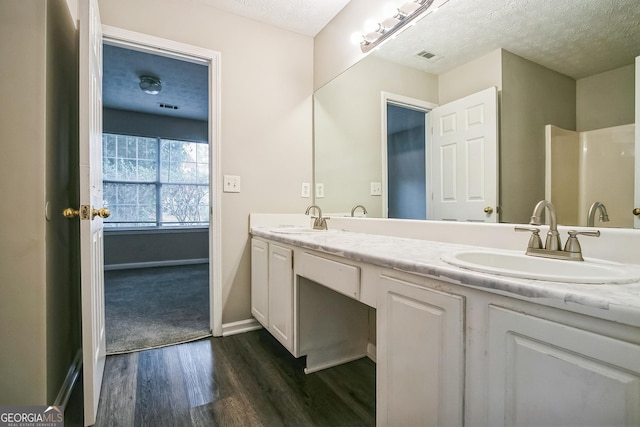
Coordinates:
150 85
385 29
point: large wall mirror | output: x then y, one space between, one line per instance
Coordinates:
564 76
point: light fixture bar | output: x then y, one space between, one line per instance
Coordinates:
404 15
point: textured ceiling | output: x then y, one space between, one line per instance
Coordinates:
301 16
577 38
184 84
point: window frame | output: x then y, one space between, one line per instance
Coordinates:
158 184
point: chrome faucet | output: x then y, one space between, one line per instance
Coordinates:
604 217
319 222
553 237
552 248
353 211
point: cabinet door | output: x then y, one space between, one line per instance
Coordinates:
420 361
260 281
281 294
545 373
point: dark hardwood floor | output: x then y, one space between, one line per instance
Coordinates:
242 380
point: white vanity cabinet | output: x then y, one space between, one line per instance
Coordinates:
272 289
420 366
453 350
260 281
543 372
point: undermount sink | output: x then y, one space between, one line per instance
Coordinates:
297 230
517 264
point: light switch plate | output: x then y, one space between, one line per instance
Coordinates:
376 189
319 190
231 184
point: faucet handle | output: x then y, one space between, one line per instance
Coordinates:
573 245
535 242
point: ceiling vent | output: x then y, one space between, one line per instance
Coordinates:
426 55
168 106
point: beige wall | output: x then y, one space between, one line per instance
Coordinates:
532 97
472 77
38 318
333 50
348 152
606 99
267 85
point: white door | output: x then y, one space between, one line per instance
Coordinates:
91 244
636 221
464 154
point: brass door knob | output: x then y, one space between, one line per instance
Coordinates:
488 210
70 213
102 213
84 214
636 211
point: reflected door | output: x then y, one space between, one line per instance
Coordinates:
464 159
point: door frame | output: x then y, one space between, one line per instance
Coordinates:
144 42
407 102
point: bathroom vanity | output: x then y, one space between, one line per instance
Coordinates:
453 347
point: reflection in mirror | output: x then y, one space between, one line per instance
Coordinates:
581 79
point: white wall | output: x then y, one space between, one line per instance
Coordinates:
267 85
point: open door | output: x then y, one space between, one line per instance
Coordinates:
91 211
636 202
464 159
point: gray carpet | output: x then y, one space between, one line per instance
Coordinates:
155 307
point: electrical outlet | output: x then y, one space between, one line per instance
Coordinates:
231 184
376 189
319 190
306 190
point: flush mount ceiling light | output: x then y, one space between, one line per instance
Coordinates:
385 29
150 85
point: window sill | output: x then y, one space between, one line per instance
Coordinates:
121 231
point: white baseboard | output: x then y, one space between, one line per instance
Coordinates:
240 327
69 381
168 263
371 352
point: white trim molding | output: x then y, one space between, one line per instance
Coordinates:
210 58
240 327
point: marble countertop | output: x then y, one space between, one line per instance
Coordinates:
620 301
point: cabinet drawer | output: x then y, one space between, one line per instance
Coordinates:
343 278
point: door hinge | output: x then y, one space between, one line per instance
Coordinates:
292 259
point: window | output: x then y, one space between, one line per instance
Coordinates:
154 182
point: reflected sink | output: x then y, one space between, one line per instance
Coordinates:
517 264
297 230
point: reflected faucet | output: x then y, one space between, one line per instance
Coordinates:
552 248
604 217
319 223
353 211
553 237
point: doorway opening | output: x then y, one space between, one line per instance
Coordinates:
160 166
405 149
